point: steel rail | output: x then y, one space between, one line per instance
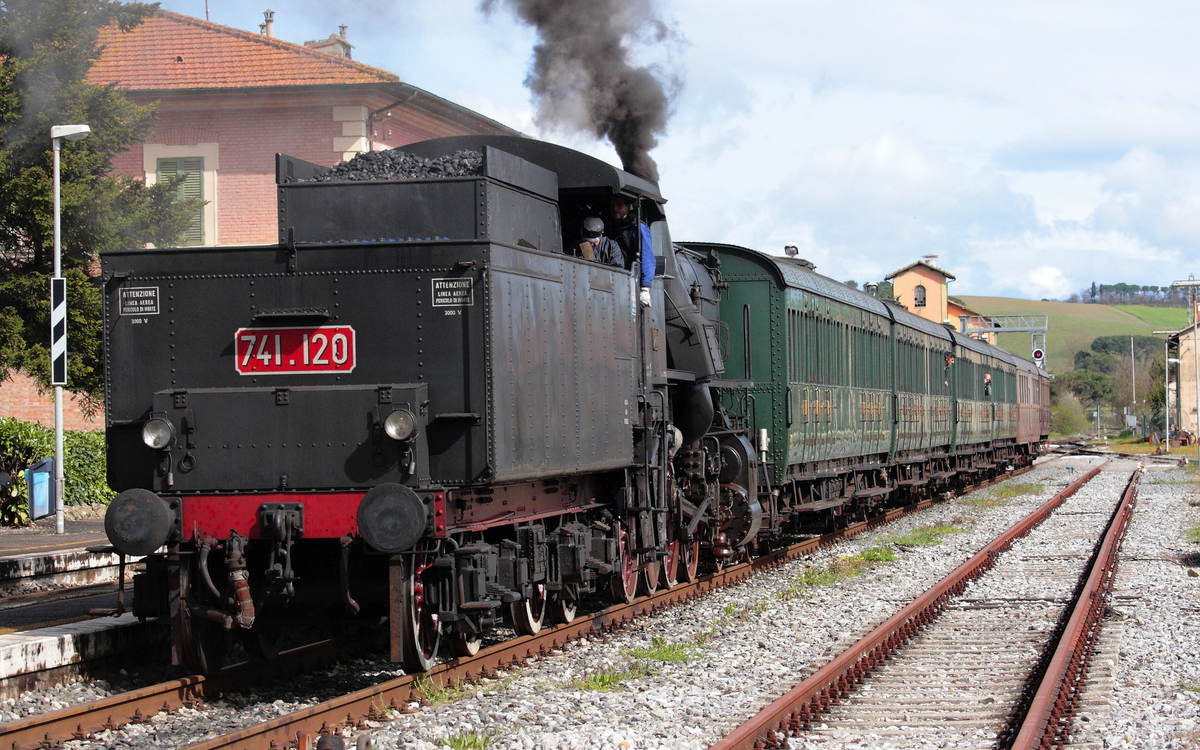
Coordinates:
78 722
136 706
796 710
1048 720
301 728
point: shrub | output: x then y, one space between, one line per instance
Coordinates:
23 444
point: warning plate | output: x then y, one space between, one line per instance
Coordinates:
453 293
139 300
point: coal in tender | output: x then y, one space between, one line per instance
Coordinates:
395 164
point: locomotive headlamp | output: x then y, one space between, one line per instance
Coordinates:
158 433
400 424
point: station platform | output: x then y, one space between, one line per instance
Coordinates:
56 655
56 595
35 559
40 537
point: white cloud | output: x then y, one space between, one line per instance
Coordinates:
1034 147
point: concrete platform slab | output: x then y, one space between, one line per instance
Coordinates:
36 658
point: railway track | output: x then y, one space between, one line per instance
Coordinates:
300 728
990 656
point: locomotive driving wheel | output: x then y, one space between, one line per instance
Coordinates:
530 613
670 563
623 583
689 564
465 644
648 575
203 642
420 632
563 604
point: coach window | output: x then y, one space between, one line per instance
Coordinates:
919 296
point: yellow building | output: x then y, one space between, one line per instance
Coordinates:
1183 397
955 309
923 289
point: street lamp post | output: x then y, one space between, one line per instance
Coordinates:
1167 382
58 322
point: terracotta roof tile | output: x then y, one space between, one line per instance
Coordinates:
172 51
930 266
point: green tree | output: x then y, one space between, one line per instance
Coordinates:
1088 385
1157 397
1144 347
46 50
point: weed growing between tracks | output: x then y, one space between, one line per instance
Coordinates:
926 536
470 740
610 678
1192 535
841 568
660 650
997 496
436 694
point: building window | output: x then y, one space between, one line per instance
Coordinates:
192 188
199 163
919 296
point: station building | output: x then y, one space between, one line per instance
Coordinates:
229 100
923 289
1181 390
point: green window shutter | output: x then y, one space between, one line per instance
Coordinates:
192 187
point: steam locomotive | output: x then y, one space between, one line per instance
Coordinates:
420 404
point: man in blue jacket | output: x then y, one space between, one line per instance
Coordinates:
625 229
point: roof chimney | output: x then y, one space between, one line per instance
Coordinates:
342 30
269 26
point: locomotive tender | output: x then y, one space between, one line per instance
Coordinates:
417 404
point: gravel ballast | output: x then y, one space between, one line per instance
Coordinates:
1144 686
742 647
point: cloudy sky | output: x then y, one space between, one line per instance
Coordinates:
1033 147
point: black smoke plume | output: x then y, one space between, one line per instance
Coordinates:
582 76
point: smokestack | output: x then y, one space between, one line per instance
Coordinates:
582 77
342 30
269 27
790 250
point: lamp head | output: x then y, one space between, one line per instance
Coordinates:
70 132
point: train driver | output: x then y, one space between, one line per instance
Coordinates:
626 229
597 247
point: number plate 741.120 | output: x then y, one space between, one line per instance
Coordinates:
278 351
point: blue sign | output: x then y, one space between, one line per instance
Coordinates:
39 480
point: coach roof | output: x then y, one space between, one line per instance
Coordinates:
796 274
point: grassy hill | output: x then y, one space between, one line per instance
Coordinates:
1163 318
1074 326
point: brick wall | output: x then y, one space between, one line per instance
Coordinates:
19 398
250 133
248 138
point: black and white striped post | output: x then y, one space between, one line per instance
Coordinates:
58 322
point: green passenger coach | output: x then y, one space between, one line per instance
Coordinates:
852 398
